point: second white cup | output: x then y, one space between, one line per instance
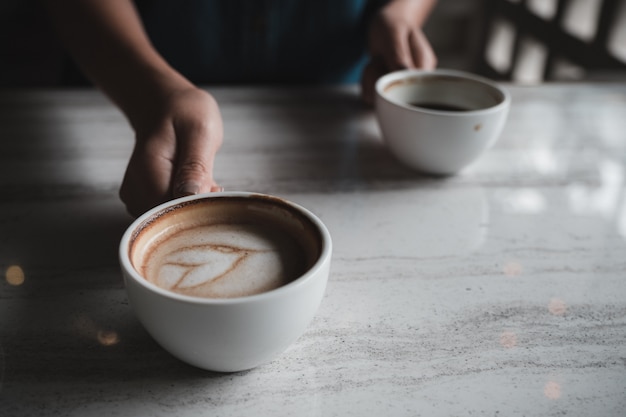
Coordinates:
440 121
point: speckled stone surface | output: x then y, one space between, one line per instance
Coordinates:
497 292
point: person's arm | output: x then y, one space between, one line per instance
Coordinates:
396 41
178 127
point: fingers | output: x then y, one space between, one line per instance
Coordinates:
147 179
397 54
409 48
422 54
396 37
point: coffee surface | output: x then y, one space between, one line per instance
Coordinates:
221 252
439 106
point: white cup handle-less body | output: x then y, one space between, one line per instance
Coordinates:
439 141
228 334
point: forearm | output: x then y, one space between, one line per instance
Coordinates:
107 40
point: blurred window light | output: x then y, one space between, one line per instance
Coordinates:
581 18
531 61
546 9
500 45
617 36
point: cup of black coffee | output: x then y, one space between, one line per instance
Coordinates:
226 281
440 121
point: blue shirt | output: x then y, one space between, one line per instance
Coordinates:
261 41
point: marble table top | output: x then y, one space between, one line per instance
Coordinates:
497 292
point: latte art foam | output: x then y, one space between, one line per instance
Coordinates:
225 247
225 260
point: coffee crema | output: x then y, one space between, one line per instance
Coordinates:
439 106
225 247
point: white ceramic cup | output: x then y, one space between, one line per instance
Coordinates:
227 334
437 141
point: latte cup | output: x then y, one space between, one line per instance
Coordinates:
439 121
226 281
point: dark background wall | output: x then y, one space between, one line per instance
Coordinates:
30 55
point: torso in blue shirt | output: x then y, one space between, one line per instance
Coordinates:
261 41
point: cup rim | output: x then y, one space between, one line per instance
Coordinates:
384 81
131 272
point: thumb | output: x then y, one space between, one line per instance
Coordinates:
193 171
192 177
